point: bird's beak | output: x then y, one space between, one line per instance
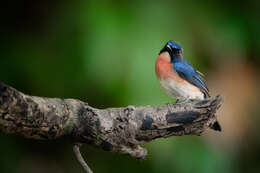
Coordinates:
169 47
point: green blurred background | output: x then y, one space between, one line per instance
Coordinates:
103 52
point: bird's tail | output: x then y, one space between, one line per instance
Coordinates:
216 126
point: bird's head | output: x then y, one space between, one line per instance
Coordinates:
174 49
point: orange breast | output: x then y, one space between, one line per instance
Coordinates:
164 68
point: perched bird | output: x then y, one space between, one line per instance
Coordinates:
178 78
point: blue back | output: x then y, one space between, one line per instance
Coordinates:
187 72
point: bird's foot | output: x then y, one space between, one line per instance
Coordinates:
178 102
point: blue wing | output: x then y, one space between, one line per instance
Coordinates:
187 72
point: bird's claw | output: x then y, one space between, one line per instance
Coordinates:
178 102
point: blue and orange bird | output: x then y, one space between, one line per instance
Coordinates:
178 78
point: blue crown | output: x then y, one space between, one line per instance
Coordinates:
174 45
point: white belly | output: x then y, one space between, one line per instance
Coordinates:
181 91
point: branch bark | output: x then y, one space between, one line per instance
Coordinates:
120 130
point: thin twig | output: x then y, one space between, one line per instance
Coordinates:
80 158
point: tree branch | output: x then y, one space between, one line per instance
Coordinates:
120 130
80 158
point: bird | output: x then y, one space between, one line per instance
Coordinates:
178 78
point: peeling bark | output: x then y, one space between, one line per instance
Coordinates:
120 130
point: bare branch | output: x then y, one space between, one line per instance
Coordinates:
80 158
120 130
